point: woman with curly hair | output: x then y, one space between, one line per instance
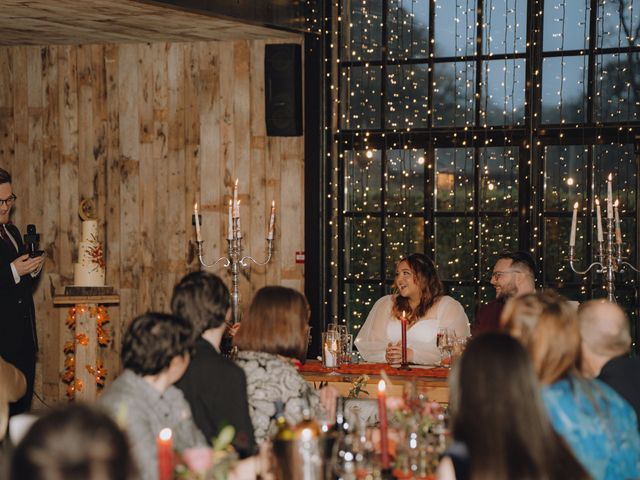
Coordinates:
420 295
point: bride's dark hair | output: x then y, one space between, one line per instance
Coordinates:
431 288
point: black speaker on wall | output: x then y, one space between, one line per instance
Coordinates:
283 89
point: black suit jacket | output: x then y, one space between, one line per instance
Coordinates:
216 389
623 375
18 342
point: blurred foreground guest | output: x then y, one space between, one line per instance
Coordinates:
75 442
12 386
214 386
143 400
606 341
420 296
513 274
598 424
274 335
500 427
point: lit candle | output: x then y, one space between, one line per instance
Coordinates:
236 204
574 223
616 211
599 221
195 212
384 424
403 322
272 220
164 445
230 228
609 197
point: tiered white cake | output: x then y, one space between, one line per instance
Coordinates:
90 269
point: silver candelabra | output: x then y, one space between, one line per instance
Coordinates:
234 259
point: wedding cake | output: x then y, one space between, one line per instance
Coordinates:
90 269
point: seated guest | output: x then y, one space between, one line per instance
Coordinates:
13 386
513 274
499 426
155 354
74 442
214 386
606 341
598 424
274 335
419 294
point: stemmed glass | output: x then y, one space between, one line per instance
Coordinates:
445 340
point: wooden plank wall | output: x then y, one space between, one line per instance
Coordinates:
144 130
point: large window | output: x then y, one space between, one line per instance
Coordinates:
467 127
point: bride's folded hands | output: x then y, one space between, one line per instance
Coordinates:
393 353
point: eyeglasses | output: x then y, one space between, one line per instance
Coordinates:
8 201
498 275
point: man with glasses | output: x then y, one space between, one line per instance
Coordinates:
18 343
514 274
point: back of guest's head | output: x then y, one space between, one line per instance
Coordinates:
604 328
5 177
498 413
547 325
201 298
277 322
153 340
75 442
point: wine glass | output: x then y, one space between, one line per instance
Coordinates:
445 338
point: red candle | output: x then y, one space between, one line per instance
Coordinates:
384 424
164 445
403 322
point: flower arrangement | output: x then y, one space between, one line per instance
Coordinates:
96 253
208 463
359 386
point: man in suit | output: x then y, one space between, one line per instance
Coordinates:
214 386
514 274
18 342
604 329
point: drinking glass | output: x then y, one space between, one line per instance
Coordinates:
331 349
445 339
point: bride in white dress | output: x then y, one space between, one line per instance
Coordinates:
420 294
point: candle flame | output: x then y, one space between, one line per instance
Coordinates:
236 183
195 207
273 204
610 177
382 386
403 314
229 202
615 204
165 434
597 202
575 205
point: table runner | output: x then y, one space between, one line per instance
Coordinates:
315 366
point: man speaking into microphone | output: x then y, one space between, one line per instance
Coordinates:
18 266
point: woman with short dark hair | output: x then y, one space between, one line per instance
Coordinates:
155 354
499 423
419 294
74 442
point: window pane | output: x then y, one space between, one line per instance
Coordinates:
405 181
362 30
565 180
564 89
617 87
499 179
359 300
620 161
407 91
618 23
362 180
566 25
454 248
454 179
504 29
408 29
467 297
453 94
360 97
503 92
455 28
362 245
497 235
403 236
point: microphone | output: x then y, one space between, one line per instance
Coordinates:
31 240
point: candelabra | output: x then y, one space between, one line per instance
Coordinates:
609 257
234 259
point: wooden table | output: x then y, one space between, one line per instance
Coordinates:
431 381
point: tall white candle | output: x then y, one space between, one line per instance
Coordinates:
574 223
230 228
616 211
195 212
272 220
236 204
610 197
599 220
238 221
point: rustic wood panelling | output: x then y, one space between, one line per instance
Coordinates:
145 130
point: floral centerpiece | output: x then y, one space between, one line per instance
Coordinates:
208 463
